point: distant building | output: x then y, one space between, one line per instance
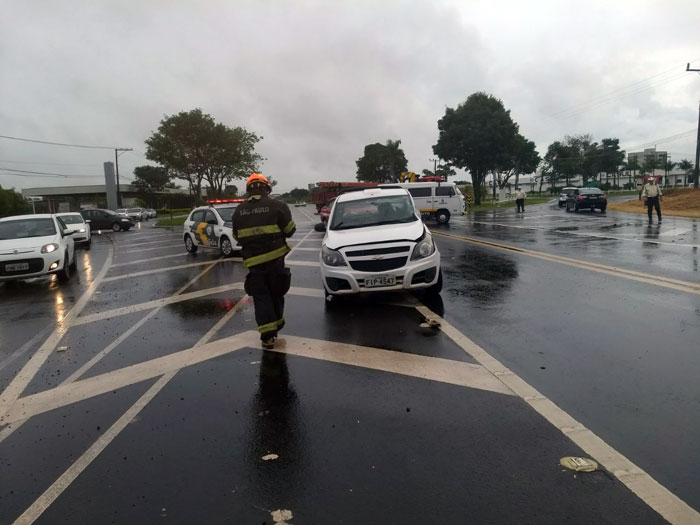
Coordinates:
643 158
75 198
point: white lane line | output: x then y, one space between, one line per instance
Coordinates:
184 254
169 268
139 250
24 376
157 303
314 264
667 504
91 318
63 482
414 365
307 215
129 244
587 234
69 394
299 248
24 348
8 430
299 243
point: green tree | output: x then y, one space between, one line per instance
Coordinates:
668 167
687 167
193 147
522 159
560 161
611 158
382 162
477 136
633 165
12 203
650 164
149 181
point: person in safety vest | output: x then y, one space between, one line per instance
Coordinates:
262 225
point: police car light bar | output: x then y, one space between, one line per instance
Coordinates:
224 201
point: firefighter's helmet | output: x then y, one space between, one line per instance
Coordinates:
257 179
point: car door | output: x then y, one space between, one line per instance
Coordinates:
211 228
423 197
445 197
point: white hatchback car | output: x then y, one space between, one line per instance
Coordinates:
376 241
211 227
35 245
80 228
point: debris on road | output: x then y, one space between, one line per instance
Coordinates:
578 464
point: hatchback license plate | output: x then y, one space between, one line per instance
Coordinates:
18 267
381 280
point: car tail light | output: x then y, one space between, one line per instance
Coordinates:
604 196
579 198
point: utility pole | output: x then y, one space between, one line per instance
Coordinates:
696 176
116 164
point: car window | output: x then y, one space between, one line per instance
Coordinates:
420 192
210 216
361 213
226 213
72 219
24 228
591 191
197 216
444 191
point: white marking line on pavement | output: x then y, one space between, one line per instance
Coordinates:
667 504
183 254
412 365
299 243
24 376
139 250
157 303
315 264
299 248
24 348
162 241
91 318
59 486
8 430
615 271
170 268
307 215
587 234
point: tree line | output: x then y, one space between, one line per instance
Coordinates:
481 137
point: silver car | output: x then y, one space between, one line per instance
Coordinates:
563 195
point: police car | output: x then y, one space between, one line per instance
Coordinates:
211 227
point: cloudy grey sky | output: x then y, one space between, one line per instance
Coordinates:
321 79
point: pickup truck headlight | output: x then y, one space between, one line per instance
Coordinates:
424 248
49 248
332 257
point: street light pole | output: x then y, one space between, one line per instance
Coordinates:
116 165
696 176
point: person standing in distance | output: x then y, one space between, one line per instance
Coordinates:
520 197
652 197
262 226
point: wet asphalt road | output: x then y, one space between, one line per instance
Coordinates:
372 418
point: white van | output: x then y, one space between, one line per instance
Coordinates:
436 200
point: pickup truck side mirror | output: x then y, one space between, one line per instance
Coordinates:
320 227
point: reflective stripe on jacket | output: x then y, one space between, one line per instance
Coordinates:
262 225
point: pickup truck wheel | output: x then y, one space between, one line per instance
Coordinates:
442 216
437 287
190 246
226 247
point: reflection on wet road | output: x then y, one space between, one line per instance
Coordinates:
559 334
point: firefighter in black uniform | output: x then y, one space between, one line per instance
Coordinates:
262 225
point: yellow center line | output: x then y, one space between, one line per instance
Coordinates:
615 271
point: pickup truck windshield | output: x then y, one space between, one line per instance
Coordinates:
394 209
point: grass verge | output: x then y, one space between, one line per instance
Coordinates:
175 221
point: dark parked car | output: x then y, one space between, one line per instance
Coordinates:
586 199
106 220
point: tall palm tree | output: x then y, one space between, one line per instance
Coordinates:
668 166
633 164
687 167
